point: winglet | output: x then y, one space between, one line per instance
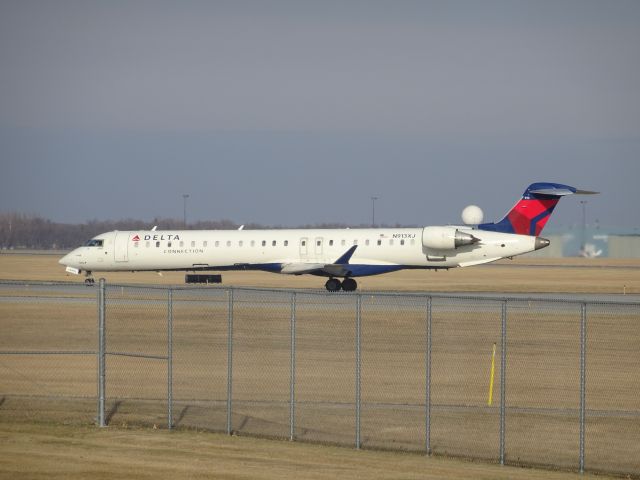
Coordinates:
336 268
344 259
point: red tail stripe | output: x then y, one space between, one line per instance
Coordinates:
526 212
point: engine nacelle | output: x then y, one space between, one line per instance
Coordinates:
446 238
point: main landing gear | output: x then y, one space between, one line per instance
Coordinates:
348 285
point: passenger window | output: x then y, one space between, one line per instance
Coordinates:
217 244
391 241
169 244
181 244
148 244
273 244
401 242
331 243
135 244
286 243
343 242
253 243
240 243
379 242
204 244
355 242
157 244
413 242
366 242
228 243
304 243
193 243
264 243
318 242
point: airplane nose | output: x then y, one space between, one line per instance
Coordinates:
68 259
541 243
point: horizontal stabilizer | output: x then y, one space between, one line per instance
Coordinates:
560 192
552 192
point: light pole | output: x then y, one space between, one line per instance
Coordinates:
584 226
373 210
184 204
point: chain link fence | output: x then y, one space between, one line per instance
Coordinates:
554 383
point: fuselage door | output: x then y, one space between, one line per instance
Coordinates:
121 247
304 248
318 246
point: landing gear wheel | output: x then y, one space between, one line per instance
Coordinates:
89 281
333 285
349 285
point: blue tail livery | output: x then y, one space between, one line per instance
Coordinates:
531 213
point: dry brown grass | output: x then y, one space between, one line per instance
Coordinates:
42 451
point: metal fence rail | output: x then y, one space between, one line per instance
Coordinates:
531 381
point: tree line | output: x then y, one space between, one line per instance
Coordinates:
24 231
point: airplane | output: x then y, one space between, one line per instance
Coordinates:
339 254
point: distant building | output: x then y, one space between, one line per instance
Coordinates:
594 242
624 246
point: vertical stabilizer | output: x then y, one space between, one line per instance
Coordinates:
531 213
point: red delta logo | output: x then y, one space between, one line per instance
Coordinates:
136 238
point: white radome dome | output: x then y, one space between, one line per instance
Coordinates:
472 215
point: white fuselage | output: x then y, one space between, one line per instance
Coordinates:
297 251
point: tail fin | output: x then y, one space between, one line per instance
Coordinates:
531 213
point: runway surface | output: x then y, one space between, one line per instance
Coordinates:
72 291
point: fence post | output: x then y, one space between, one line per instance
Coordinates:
427 403
170 358
101 352
503 377
358 366
292 383
583 352
229 359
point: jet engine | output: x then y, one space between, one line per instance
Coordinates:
446 238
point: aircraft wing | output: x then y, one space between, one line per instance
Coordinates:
339 268
300 268
333 269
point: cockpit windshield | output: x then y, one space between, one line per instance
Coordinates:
94 242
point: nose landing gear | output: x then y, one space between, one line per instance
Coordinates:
348 285
89 281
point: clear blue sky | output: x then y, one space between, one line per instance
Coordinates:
292 112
